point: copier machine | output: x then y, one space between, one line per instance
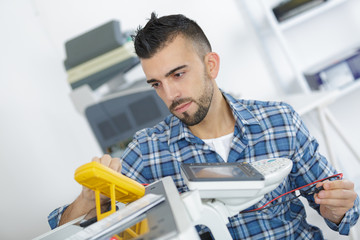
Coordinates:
217 192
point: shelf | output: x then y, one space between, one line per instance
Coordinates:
277 29
349 88
304 16
304 103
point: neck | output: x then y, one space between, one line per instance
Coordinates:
219 120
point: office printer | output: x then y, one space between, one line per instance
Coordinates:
212 199
109 88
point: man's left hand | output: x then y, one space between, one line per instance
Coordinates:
336 199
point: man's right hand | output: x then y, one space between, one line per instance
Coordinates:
86 200
108 161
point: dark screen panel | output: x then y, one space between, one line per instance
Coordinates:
121 122
107 131
145 110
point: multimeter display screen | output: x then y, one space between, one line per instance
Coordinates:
220 172
216 172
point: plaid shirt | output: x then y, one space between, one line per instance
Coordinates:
262 130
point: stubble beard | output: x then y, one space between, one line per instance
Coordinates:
203 103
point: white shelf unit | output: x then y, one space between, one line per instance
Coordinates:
307 15
279 29
308 101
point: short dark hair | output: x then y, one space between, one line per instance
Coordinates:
160 31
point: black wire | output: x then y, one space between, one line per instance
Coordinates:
308 192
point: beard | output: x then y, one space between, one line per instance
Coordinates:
203 103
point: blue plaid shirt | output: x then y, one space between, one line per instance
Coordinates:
262 130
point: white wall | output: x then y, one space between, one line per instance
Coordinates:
42 138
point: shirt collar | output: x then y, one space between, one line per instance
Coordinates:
242 115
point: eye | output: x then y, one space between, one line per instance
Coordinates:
179 74
155 85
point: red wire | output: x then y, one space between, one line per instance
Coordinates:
339 176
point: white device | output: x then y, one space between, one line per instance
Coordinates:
274 169
171 216
236 182
223 180
221 190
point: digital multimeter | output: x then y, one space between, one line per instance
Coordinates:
110 183
218 180
96 176
235 180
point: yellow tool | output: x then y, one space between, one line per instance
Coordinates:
110 183
117 187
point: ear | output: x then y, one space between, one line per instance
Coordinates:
212 63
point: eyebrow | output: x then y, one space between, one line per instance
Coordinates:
167 74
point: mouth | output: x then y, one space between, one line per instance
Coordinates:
183 107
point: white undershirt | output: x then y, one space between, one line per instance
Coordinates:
221 145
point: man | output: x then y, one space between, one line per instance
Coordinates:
209 125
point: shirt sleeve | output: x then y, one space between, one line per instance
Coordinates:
132 162
310 166
55 216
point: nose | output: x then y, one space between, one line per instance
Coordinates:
171 91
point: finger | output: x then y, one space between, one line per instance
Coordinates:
319 184
339 184
115 164
96 159
335 194
106 160
334 203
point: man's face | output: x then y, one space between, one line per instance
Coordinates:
180 79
